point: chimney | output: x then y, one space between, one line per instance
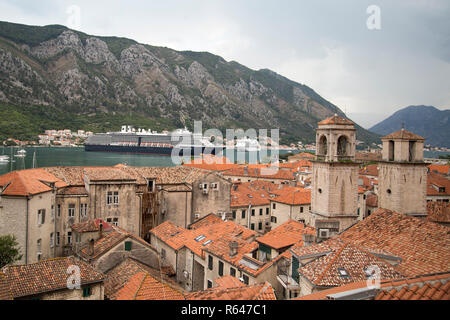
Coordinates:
100 229
308 239
91 247
245 171
233 248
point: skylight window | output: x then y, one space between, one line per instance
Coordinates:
343 272
207 242
200 238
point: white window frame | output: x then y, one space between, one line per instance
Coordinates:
71 208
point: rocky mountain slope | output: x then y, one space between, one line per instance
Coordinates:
427 121
79 80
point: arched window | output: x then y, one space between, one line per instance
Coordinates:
323 148
342 147
391 150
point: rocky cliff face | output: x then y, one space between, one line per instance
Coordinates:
83 74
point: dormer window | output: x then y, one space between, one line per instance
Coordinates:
150 185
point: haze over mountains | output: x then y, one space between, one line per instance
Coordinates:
54 77
427 121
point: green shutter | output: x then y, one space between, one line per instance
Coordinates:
295 266
128 245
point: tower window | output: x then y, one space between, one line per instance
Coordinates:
320 190
342 146
389 191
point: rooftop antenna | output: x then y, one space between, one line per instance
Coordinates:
403 125
34 159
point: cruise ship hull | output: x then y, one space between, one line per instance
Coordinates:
186 151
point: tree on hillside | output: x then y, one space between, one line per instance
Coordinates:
9 251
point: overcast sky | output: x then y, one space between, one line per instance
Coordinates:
327 45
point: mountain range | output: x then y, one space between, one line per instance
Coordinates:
427 121
55 77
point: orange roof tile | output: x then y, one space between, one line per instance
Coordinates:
262 291
28 182
205 221
285 235
337 255
398 289
437 185
370 170
227 282
406 237
440 168
91 225
335 119
177 237
46 276
262 173
403 134
293 196
142 286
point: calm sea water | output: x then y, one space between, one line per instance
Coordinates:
60 156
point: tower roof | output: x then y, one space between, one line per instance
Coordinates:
404 135
335 119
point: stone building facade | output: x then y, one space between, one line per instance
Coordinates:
403 174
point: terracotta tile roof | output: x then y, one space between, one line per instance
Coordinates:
293 196
227 282
296 164
177 237
422 245
72 176
28 182
167 175
109 241
46 276
335 119
107 174
372 200
403 134
121 274
438 211
256 194
142 286
425 288
5 292
92 225
398 289
440 168
205 221
370 170
73 191
255 292
435 182
262 173
361 190
212 163
285 235
339 256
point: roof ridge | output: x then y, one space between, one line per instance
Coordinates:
140 285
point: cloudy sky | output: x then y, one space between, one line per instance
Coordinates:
368 72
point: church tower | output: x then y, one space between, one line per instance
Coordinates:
403 174
334 189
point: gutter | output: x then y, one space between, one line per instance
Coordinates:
26 232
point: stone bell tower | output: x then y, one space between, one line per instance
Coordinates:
403 174
334 190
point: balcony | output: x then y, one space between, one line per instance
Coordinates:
287 282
